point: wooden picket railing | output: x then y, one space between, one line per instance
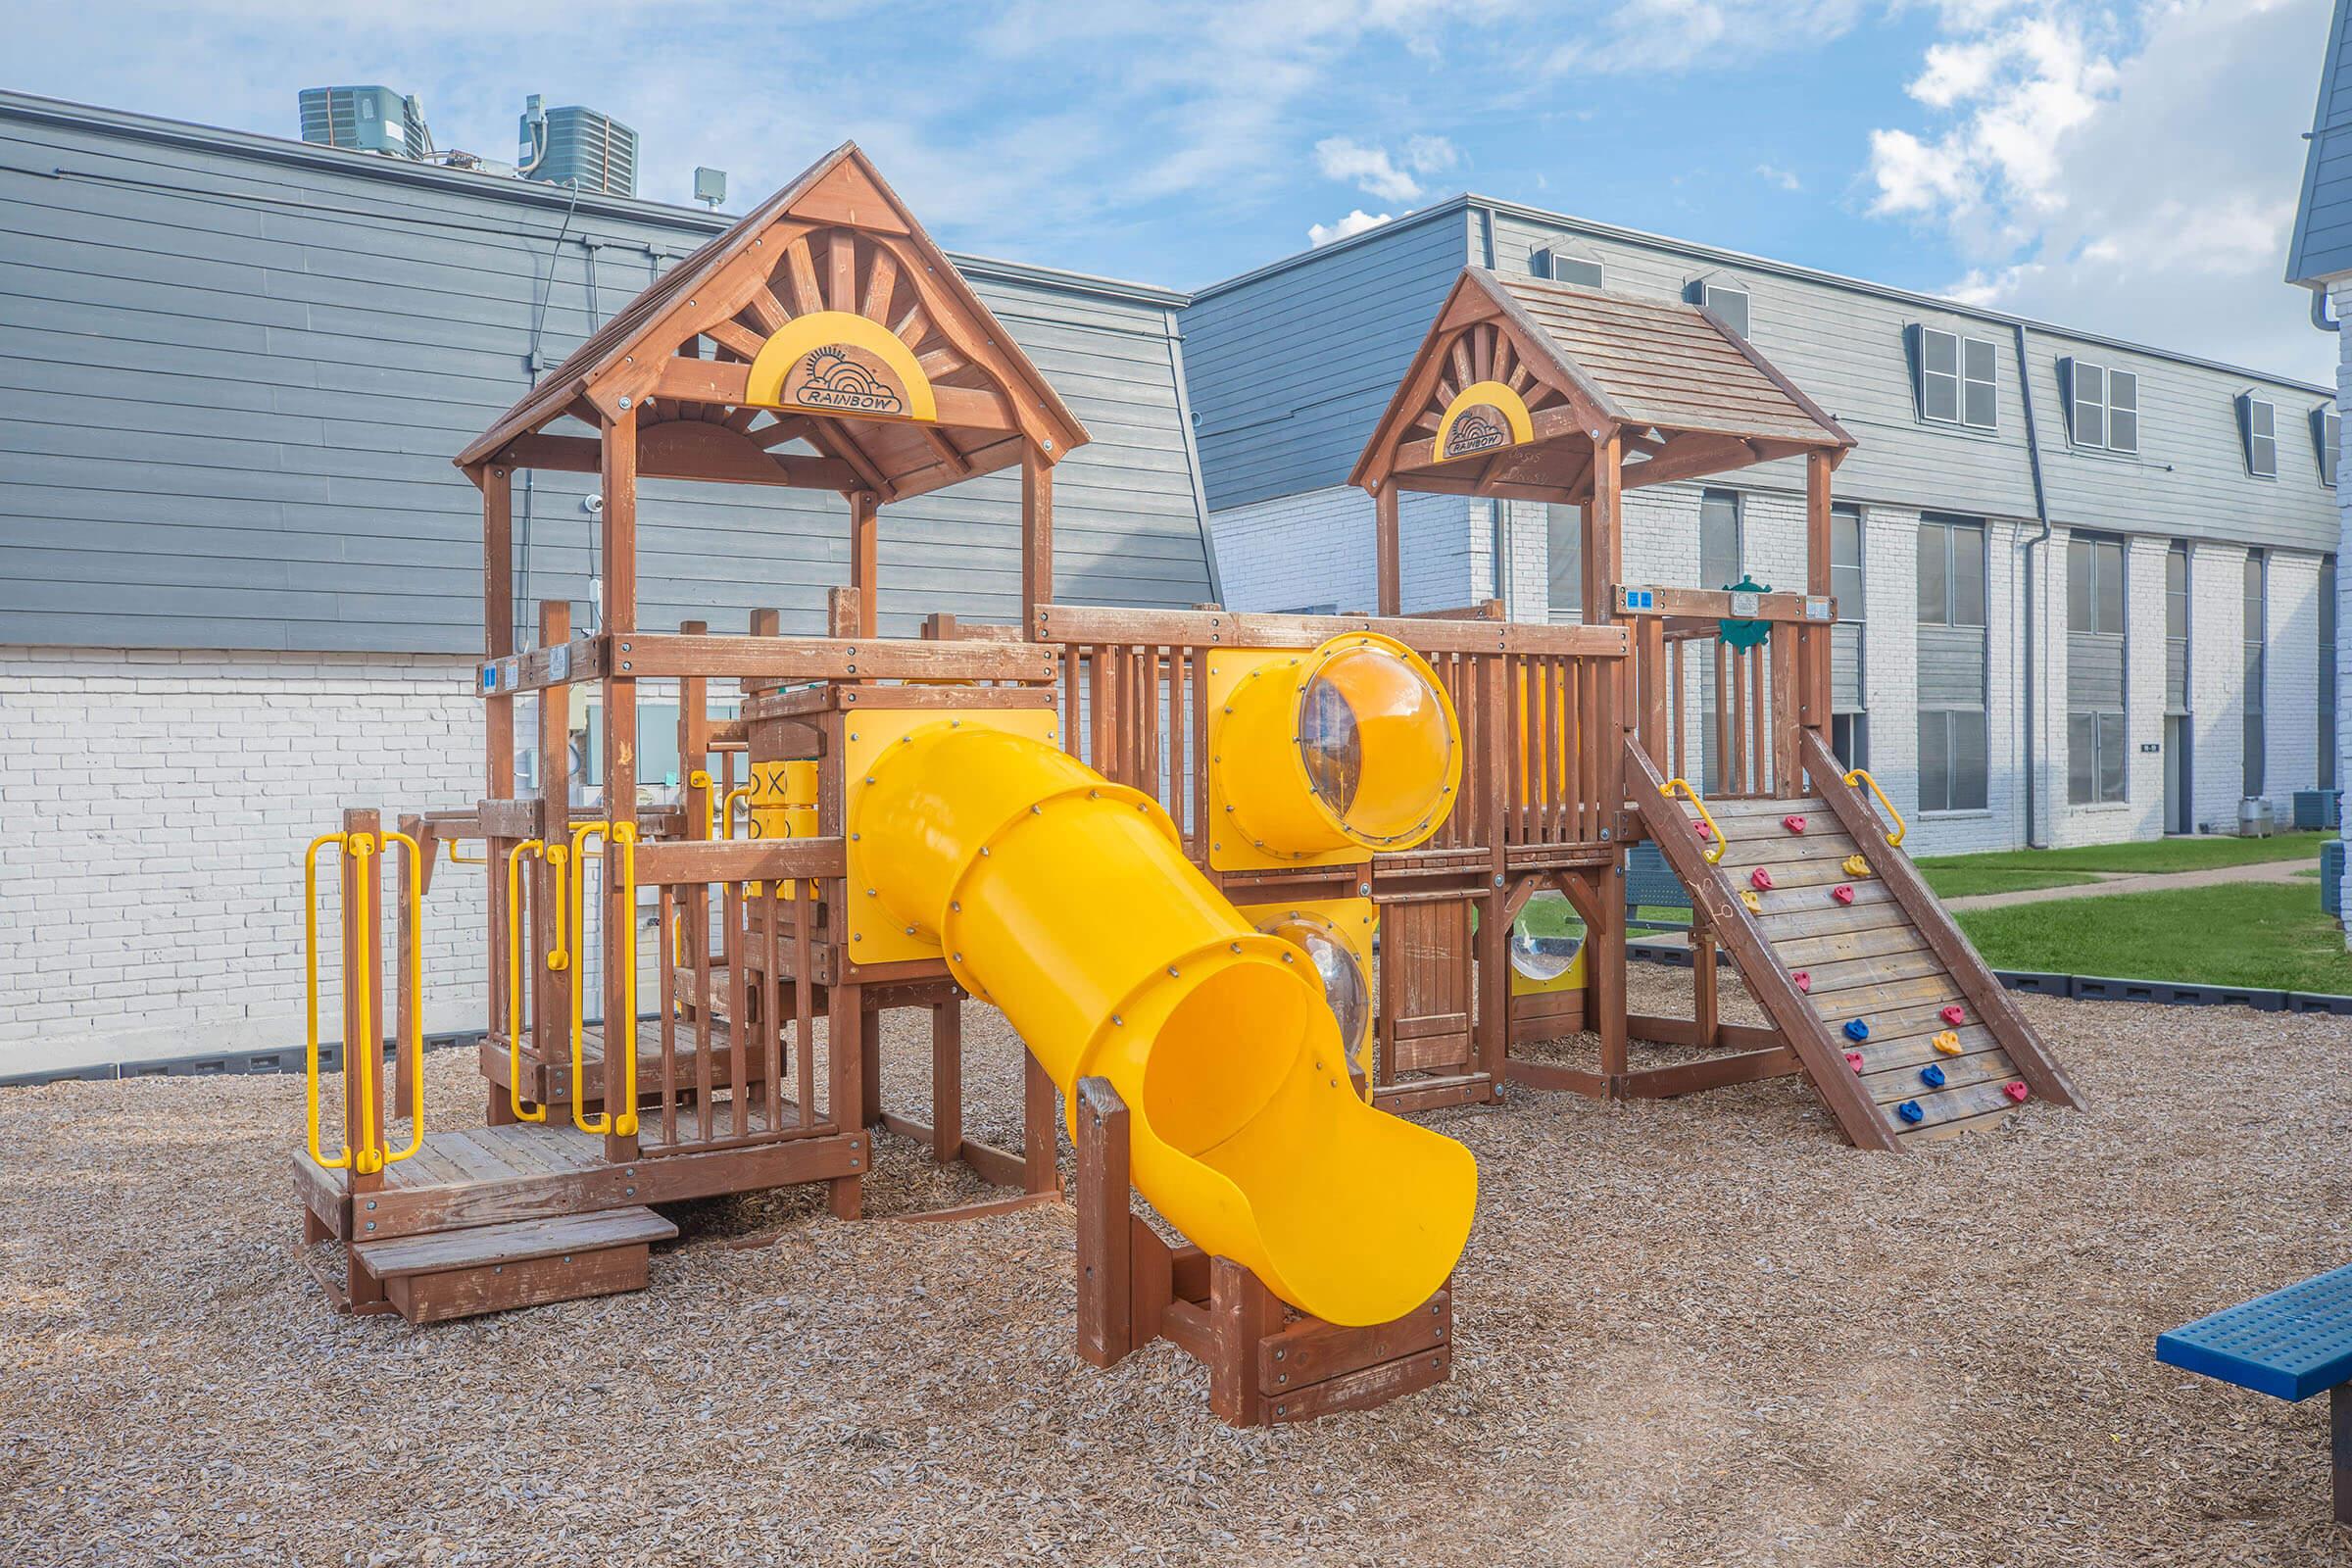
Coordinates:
1765 697
1530 699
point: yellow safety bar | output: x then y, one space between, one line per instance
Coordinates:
310 948
726 810
1713 853
416 999
375 1151
537 848
1885 804
700 779
620 1037
454 859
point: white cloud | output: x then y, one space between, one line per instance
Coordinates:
2132 172
1782 177
1355 223
1372 171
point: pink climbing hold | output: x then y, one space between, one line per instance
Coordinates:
2016 1092
1952 1015
1759 878
1842 894
1803 979
1794 824
1853 1059
1698 827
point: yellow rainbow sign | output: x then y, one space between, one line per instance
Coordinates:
836 363
1483 417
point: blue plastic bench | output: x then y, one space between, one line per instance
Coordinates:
2290 1344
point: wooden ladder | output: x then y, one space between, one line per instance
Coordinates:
1892 958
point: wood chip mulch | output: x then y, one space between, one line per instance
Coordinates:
1692 1332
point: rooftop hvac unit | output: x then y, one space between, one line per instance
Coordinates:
578 147
368 119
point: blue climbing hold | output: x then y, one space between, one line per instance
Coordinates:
1932 1075
1856 1029
1909 1110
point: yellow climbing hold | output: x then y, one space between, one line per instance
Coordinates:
1753 900
1948 1043
1855 865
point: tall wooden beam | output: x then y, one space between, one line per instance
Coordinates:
1037 535
551 1002
1387 548
620 750
497 481
865 508
1818 697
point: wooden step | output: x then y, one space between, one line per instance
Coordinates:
496 1268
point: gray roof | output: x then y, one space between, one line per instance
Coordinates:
233 371
2323 242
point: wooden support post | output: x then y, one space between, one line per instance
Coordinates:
1387 548
620 752
497 482
1705 1006
1037 535
1040 1147
1105 1267
551 1011
947 1081
1818 580
869 1062
1600 900
1604 565
365 1111
864 545
845 1061
1242 1312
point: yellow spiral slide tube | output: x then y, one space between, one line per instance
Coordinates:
1067 901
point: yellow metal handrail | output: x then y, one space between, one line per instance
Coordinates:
454 859
1713 853
620 1037
1885 804
416 978
742 792
309 949
538 849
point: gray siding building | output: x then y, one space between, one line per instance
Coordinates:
241 582
1978 431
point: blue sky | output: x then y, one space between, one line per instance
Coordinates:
2128 167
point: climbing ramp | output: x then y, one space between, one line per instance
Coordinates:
1902 1029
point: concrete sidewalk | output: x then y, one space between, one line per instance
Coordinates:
2139 882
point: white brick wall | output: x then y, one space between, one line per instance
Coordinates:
1317 548
2293 725
2216 683
158 806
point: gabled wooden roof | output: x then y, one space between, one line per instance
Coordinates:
837 251
1521 376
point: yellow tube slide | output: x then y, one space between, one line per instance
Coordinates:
1067 901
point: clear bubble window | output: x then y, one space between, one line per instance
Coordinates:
1377 741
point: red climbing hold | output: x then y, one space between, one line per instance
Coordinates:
1853 1059
1843 895
1952 1015
1759 878
2016 1092
1803 979
1794 824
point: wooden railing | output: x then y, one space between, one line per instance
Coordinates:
1763 696
1530 699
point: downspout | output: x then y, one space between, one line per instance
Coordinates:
2041 515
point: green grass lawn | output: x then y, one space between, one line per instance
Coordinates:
2265 934
1960 876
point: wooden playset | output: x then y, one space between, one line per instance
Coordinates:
1245 885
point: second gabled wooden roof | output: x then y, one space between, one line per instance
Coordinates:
1589 364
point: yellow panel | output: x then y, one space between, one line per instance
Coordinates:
874 938
1228 849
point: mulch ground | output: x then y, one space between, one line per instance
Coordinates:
1702 1332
